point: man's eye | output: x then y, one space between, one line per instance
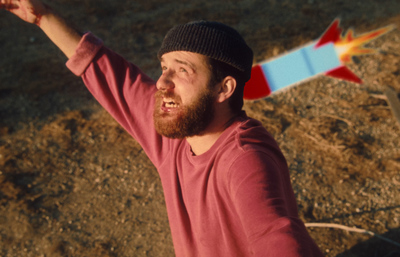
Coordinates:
183 70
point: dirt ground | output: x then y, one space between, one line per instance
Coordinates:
74 183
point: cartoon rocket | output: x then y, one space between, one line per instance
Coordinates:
327 56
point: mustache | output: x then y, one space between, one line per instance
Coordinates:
170 95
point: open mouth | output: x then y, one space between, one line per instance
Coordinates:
169 104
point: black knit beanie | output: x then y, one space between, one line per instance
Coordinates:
213 39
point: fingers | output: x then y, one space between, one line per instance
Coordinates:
8 5
27 10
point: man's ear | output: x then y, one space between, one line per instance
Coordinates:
226 89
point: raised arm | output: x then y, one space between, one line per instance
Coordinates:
34 11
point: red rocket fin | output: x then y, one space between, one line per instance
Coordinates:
342 72
257 87
332 34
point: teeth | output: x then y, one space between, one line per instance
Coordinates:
171 105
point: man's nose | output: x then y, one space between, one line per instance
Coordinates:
165 82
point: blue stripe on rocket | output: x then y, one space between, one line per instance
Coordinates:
299 65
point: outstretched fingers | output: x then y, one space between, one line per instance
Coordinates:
8 5
28 10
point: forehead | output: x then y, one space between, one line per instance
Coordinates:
193 60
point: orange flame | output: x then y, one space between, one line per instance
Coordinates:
348 45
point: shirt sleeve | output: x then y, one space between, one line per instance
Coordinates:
265 202
84 54
122 89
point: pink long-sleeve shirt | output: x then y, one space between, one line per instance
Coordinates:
234 200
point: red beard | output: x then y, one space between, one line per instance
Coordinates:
184 120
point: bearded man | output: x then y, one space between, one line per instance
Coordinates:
226 183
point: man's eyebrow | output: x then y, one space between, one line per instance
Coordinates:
189 64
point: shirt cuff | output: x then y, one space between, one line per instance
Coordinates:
84 54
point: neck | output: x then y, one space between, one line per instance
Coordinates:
202 143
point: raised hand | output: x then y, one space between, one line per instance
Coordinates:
28 10
55 27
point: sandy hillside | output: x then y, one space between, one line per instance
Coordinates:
73 182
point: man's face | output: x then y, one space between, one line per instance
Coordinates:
184 101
